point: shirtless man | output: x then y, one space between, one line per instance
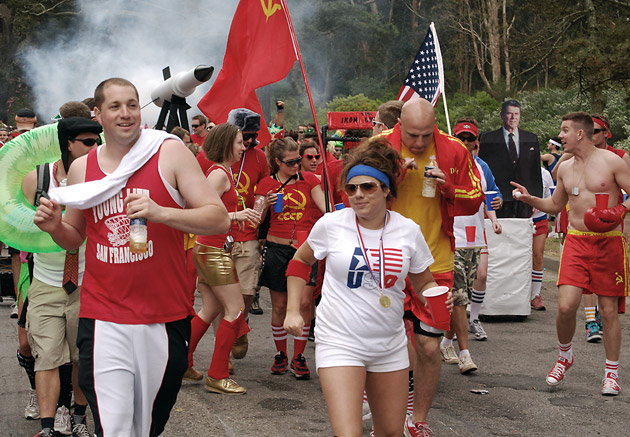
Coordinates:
594 256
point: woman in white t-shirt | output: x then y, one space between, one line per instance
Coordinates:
360 338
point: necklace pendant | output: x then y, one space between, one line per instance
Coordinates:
384 301
575 191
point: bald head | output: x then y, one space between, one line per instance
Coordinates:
417 120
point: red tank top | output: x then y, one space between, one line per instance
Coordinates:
230 200
122 287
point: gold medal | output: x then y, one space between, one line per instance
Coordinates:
384 301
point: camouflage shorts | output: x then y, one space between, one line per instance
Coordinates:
466 264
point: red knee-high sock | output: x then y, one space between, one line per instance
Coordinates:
279 338
226 334
299 343
197 329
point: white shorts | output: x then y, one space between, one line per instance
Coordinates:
335 356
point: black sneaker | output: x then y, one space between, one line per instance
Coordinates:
255 308
280 363
299 367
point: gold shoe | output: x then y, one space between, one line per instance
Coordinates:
239 350
192 375
230 366
224 386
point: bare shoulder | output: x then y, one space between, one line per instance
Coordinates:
29 186
76 173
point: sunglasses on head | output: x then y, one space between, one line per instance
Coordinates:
252 136
366 188
88 141
309 157
292 162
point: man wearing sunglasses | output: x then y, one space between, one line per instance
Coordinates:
386 116
198 126
53 309
459 192
513 154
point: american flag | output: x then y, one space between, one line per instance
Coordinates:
426 75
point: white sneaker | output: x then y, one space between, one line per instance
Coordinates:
31 412
477 330
449 355
63 425
14 311
466 365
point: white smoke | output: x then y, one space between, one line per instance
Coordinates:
130 39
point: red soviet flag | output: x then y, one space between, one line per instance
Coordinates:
259 51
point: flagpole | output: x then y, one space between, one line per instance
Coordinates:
296 47
438 52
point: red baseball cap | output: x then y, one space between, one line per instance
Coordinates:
465 127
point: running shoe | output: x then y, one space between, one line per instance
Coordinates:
418 429
14 311
43 433
225 386
80 430
299 367
598 318
255 307
537 304
592 332
466 365
477 330
31 412
63 425
280 364
448 354
192 375
610 387
239 350
556 374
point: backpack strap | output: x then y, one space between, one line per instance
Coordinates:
43 182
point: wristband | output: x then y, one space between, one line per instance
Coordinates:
299 269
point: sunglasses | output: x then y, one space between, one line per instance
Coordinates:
366 188
596 131
377 123
88 141
250 136
468 138
309 157
195 126
292 162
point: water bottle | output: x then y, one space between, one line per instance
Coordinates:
138 235
428 185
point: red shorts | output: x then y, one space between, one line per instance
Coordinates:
541 227
595 262
413 303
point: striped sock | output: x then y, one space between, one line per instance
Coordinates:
279 338
299 343
476 300
566 351
612 369
537 277
590 314
410 394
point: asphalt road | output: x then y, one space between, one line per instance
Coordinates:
512 364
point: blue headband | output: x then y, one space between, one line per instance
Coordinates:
366 170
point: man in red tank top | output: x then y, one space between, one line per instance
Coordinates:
135 310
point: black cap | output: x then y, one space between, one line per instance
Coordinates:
25 113
69 128
244 119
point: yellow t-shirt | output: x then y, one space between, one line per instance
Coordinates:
425 211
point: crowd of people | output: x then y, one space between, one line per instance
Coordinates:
345 239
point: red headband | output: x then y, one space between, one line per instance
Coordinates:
601 123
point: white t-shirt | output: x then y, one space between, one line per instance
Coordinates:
349 314
547 181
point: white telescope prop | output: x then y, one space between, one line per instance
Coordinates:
181 85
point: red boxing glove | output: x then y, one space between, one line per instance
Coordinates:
604 220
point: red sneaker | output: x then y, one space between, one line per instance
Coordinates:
299 367
555 376
610 386
418 429
280 363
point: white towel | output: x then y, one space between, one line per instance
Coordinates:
92 193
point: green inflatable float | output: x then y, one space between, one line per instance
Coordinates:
17 158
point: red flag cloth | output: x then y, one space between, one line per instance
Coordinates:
259 51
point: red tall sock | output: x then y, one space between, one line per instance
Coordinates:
279 338
222 347
299 343
197 329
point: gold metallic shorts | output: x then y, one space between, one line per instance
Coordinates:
214 266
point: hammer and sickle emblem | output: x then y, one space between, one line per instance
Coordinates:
270 8
296 204
243 184
618 278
